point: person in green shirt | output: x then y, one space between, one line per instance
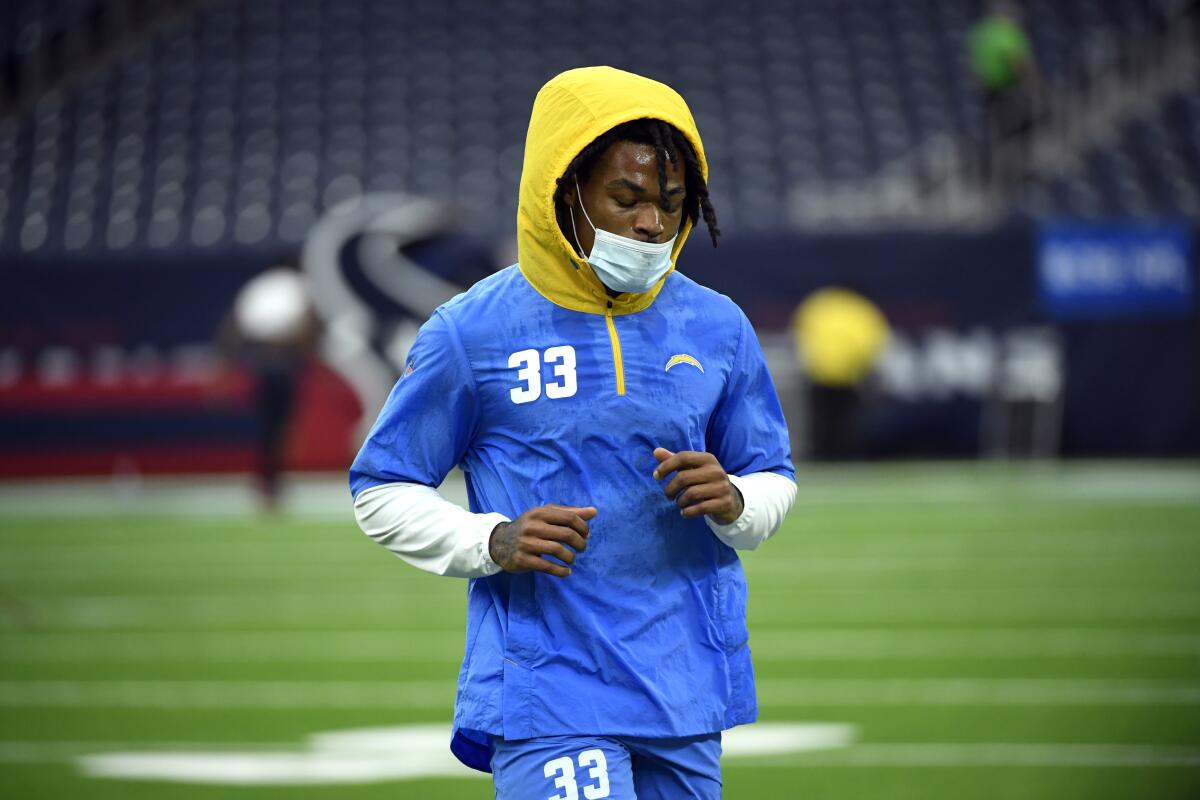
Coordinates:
1000 52
1002 59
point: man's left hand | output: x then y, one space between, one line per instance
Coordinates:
700 485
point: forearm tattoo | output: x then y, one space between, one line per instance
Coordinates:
503 544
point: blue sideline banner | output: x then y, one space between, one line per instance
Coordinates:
1115 270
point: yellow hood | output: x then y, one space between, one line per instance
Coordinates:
569 112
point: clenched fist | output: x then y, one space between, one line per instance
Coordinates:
700 485
552 530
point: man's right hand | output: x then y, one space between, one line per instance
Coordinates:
553 530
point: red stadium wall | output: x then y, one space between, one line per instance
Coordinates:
187 424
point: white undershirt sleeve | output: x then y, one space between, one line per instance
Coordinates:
767 498
427 530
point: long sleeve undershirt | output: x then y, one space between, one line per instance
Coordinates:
767 498
428 531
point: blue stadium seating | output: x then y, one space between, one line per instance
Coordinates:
1151 169
241 124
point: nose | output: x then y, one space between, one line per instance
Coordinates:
648 222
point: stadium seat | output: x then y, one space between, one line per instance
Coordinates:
243 122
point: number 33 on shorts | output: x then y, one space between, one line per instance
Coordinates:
562 768
562 771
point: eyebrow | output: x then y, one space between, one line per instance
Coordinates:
625 183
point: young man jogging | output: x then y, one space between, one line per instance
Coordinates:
620 437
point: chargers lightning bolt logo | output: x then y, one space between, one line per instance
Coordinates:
682 358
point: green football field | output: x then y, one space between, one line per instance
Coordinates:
919 631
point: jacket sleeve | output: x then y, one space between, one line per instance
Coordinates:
429 419
748 435
425 428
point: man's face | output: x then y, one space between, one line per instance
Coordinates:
622 197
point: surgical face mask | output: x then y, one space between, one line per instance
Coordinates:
624 265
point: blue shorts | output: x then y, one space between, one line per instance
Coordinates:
595 767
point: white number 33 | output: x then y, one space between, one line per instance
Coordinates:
562 770
561 360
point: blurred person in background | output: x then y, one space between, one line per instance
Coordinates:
1001 58
271 333
621 438
839 335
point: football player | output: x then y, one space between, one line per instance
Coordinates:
621 440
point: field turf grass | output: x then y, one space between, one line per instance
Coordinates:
990 631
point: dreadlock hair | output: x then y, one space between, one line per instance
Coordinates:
669 144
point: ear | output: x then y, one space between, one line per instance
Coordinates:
568 197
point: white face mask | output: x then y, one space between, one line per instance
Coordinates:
624 265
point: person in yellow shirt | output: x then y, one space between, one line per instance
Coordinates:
839 336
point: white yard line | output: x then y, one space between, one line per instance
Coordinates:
317 497
327 497
415 645
228 694
47 572
1043 484
439 694
859 644
16 751
983 605
157 555
371 755
883 754
307 616
114 611
987 754
238 646
1057 562
104 556
953 606
931 495
972 691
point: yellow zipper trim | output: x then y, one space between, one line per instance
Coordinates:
618 364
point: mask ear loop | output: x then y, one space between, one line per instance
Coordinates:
582 207
574 230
